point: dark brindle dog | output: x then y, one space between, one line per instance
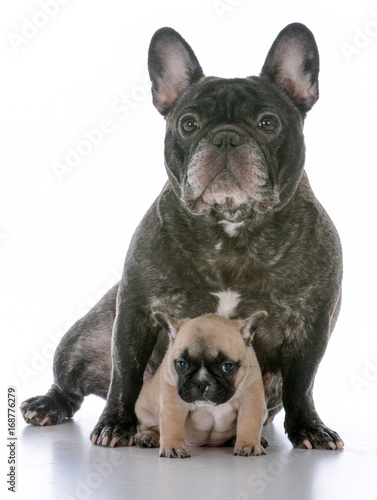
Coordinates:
236 229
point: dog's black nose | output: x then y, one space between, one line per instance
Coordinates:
227 139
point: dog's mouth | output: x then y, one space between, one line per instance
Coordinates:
232 186
227 207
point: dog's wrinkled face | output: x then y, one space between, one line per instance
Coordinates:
231 138
209 357
234 147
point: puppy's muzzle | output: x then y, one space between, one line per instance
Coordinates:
198 390
201 387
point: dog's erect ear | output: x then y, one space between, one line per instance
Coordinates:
171 325
172 67
248 326
293 64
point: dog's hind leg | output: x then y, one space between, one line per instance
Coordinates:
273 386
82 366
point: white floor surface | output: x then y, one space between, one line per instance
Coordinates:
60 463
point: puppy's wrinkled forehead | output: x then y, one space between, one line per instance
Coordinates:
209 339
207 358
200 350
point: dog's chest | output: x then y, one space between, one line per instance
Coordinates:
235 256
211 425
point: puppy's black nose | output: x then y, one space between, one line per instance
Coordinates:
227 139
201 385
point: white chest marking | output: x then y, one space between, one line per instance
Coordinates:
231 227
228 301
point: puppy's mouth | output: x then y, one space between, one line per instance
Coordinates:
208 397
204 399
204 402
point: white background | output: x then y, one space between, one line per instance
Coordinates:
63 241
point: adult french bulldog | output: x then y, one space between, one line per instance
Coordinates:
236 226
211 366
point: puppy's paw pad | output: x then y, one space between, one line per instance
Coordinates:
174 452
264 442
248 451
147 440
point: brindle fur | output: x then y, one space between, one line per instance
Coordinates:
272 243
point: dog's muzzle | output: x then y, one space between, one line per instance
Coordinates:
227 139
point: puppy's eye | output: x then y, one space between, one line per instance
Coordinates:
181 365
268 124
189 125
228 367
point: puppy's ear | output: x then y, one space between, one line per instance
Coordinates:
293 64
249 326
172 67
171 325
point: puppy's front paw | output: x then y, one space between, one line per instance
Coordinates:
180 451
147 439
264 442
249 450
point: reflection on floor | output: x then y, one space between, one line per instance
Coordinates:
60 463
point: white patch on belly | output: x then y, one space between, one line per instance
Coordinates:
218 245
228 301
231 228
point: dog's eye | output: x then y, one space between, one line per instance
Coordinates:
228 367
268 124
189 125
181 365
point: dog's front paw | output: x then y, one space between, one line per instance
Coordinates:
42 410
111 433
315 435
147 439
177 451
